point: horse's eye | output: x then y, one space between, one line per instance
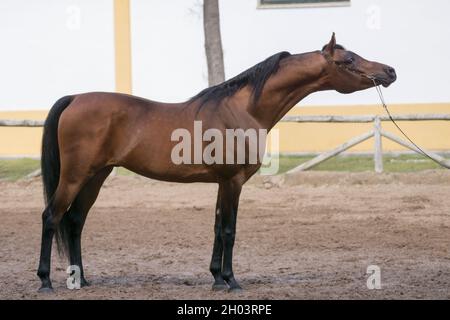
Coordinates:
349 60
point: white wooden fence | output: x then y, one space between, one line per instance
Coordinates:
377 132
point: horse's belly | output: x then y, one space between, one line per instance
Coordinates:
160 169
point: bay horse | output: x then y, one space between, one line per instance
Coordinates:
86 135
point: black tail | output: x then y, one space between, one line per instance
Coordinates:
50 164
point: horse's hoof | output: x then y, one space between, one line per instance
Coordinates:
84 283
219 287
46 290
236 290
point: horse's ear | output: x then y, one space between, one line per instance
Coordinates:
329 48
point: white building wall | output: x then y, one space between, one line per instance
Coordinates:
45 53
50 48
411 35
168 56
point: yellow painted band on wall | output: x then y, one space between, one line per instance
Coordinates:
122 40
21 141
317 137
294 137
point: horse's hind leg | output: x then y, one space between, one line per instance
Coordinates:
77 217
52 215
48 230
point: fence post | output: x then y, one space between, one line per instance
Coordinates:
378 151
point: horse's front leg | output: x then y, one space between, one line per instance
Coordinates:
216 260
229 199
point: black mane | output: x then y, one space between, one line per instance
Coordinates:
255 77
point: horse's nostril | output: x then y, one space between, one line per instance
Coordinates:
391 72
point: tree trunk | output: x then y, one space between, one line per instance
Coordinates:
213 42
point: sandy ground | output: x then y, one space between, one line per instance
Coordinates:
310 236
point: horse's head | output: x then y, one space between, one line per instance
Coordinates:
347 72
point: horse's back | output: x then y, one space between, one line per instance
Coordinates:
124 130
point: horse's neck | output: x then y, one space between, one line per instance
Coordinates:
298 76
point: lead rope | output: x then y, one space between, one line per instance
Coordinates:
383 103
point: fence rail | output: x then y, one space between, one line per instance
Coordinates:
377 133
21 123
367 118
299 119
